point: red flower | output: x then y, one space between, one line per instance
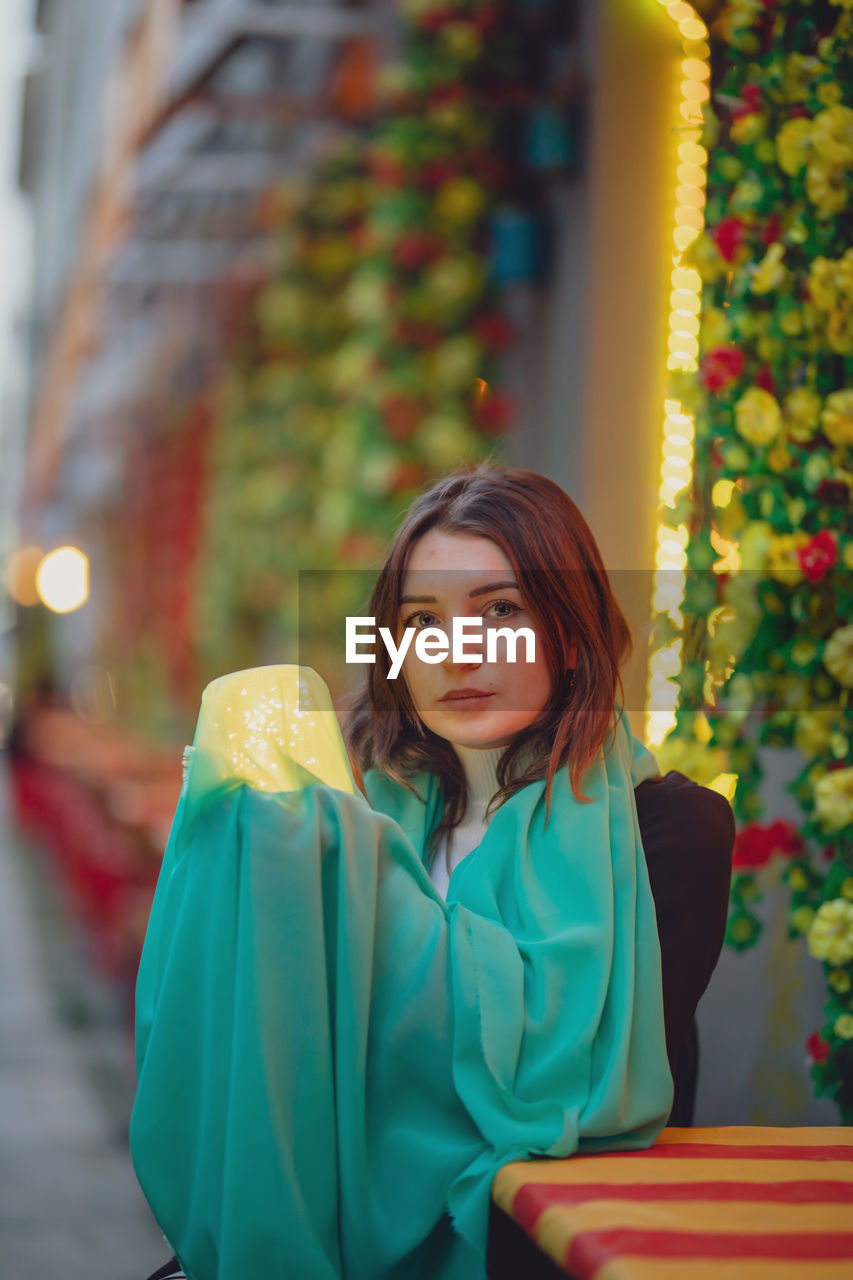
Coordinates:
415 333
756 844
493 412
414 248
772 230
817 1047
385 170
749 103
833 492
818 555
400 415
721 367
432 175
728 237
435 19
494 330
408 475
764 380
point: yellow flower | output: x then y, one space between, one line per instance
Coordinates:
836 421
802 918
800 70
758 417
747 193
769 349
459 201
834 799
791 322
730 168
715 329
831 932
838 655
455 362
695 759
847 888
839 980
748 128
828 93
843 1027
771 271
783 563
823 278
705 257
755 545
462 40
831 291
801 410
826 187
813 730
797 879
778 458
793 143
832 135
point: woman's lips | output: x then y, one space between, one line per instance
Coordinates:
465 699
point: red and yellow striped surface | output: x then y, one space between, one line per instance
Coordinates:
703 1204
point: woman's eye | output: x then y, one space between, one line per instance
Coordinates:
422 620
505 609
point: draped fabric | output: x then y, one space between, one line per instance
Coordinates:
333 1062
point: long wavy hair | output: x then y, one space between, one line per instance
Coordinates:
565 588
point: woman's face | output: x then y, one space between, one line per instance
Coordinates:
463 575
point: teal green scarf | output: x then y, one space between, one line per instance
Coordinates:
333 1062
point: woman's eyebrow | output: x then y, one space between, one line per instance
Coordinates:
475 591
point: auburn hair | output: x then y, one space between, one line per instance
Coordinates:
564 586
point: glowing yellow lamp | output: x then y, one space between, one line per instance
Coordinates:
62 579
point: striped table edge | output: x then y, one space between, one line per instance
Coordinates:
751 1202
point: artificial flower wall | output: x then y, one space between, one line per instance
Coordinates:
370 361
768 654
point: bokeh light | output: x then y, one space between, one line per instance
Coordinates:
62 579
19 574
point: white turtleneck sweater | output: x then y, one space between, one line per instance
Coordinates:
481 766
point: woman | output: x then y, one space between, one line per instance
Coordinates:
351 1015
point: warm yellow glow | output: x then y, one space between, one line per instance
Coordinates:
62 579
692 197
696 69
695 91
721 494
725 784
683 237
729 561
676 468
692 153
682 300
684 345
19 574
686 278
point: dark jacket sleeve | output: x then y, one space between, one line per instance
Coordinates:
688 833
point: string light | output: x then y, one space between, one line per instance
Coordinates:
685 303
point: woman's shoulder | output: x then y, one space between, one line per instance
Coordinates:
693 822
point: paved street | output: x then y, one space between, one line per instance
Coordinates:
70 1207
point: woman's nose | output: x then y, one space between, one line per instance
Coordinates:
470 650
